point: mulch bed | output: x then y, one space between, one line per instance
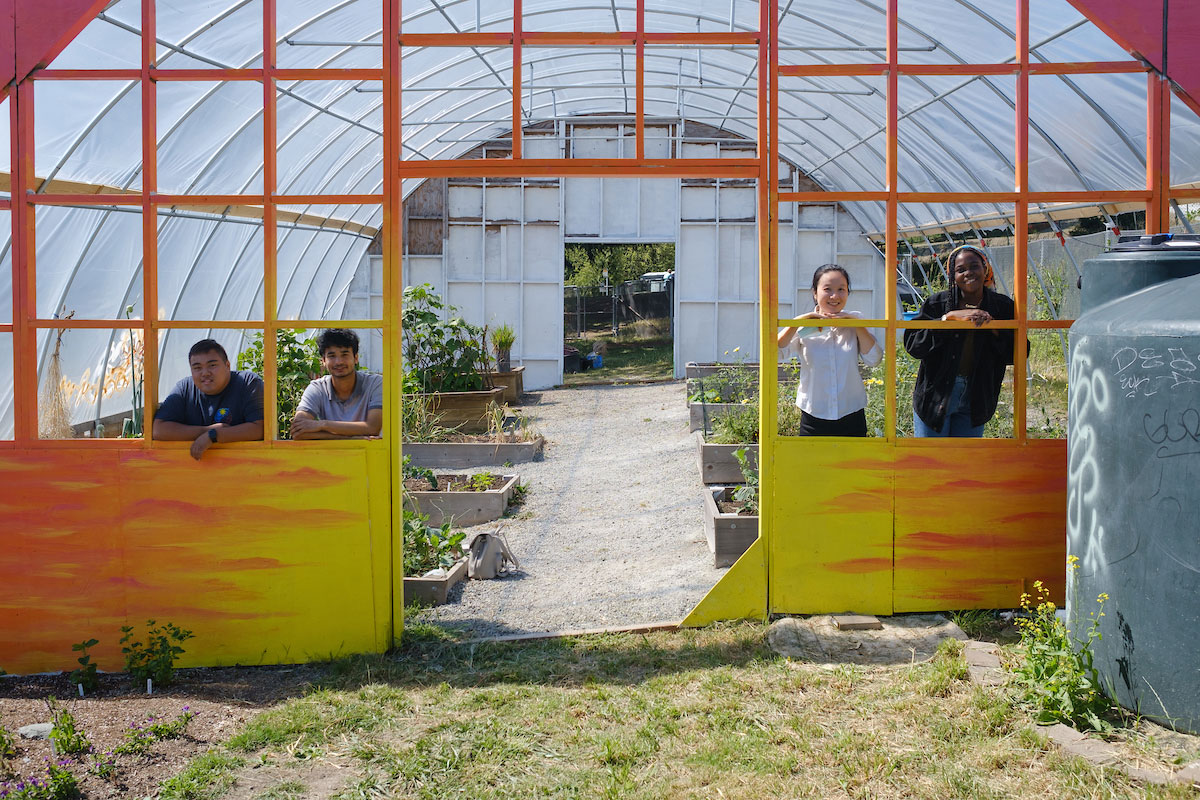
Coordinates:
222 698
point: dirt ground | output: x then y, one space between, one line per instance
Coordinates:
222 698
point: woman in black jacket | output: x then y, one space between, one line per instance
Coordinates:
958 383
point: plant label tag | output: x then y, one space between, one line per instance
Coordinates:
149 686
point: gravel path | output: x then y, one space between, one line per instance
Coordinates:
612 531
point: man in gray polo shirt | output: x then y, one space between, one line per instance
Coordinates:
344 404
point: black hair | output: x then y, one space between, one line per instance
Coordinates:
337 337
208 346
821 270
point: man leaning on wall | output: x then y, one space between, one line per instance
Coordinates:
215 405
344 404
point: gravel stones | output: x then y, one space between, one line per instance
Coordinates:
611 532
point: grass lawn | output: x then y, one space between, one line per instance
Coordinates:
704 713
628 361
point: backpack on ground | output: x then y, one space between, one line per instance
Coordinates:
489 556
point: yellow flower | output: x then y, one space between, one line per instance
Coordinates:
1072 559
1100 598
736 349
1037 584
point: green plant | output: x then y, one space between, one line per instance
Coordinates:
66 735
297 364
418 421
103 765
57 783
155 658
482 481
409 470
427 547
440 355
85 675
1056 674
503 337
141 735
747 493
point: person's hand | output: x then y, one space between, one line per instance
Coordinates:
811 315
837 315
976 315
304 425
201 444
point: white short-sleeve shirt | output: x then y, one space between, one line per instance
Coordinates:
830 385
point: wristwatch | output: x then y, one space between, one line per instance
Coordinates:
212 435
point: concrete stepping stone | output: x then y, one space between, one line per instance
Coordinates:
901 639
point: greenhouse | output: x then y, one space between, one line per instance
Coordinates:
235 169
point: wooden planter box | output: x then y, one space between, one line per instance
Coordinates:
728 534
717 462
513 383
466 411
433 591
698 411
464 455
463 508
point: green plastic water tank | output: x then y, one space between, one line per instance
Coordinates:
1133 493
1135 263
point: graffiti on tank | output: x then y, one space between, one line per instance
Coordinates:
1089 403
1144 372
1177 433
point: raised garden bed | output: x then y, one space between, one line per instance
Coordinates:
467 411
513 383
701 415
466 454
717 462
433 591
728 531
457 502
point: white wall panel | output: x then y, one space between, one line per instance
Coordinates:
503 203
621 207
696 263
737 202
658 212
465 201
695 334
737 329
464 245
698 202
543 253
423 269
582 206
541 203
466 297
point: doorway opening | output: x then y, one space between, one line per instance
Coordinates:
618 312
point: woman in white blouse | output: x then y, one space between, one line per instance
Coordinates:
831 396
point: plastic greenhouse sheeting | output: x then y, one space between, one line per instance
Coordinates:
1088 132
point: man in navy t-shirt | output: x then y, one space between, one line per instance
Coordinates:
216 404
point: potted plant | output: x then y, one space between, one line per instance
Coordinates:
446 361
502 340
506 375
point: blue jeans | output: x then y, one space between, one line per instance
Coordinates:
958 416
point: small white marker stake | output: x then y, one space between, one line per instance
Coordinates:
80 685
149 686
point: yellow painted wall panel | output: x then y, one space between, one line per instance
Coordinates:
831 549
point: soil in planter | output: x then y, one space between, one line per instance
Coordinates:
453 483
726 507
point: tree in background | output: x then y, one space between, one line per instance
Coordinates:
585 263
